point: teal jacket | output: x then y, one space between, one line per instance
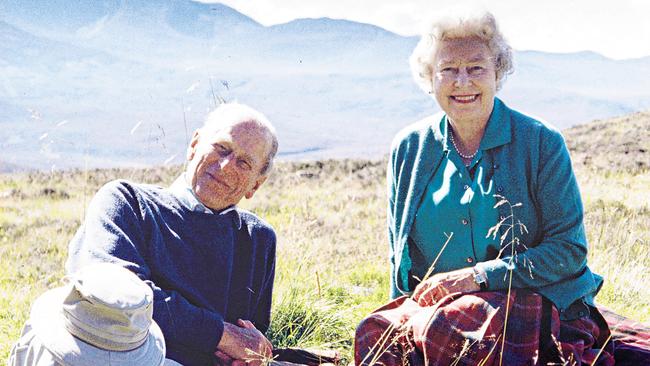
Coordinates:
531 166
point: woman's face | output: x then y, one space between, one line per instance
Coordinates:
464 80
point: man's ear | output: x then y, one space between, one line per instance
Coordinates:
192 147
257 185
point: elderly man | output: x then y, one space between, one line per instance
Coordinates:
210 264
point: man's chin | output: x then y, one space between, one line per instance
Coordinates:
206 197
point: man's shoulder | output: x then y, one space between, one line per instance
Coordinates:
254 223
131 189
121 193
125 184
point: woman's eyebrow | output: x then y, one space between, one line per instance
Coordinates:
478 58
475 58
446 61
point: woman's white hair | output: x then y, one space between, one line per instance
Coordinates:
482 25
229 114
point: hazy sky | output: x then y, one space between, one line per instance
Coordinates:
615 28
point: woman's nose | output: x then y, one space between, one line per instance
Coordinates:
462 77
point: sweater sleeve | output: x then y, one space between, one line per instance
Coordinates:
115 231
562 251
263 312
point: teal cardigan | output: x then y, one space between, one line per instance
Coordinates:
531 166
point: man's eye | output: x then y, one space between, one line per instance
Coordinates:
243 164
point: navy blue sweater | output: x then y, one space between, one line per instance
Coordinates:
204 268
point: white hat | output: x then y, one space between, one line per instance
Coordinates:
103 316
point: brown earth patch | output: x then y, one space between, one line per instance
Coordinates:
615 144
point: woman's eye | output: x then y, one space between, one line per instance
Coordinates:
476 70
448 72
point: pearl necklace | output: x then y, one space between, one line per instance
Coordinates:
466 157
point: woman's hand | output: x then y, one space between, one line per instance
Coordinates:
440 285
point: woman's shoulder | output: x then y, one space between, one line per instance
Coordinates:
417 130
526 123
535 134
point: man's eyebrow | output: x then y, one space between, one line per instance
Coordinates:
248 158
217 140
228 144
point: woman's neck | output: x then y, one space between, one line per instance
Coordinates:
467 136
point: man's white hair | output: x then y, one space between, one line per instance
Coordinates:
230 114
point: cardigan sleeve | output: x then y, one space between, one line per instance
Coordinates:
391 219
115 231
561 253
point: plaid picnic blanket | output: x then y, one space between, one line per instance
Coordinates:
467 329
631 339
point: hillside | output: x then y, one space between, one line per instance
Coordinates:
618 144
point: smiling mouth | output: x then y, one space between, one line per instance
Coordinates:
464 98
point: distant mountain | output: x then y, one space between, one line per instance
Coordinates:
578 87
124 82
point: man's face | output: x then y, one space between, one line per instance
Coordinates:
225 165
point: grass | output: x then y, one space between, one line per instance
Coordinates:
330 219
617 206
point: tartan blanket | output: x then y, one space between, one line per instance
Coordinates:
631 339
468 329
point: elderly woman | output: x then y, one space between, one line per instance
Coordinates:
485 224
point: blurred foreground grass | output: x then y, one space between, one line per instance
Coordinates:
332 250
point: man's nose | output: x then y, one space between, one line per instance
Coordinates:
226 160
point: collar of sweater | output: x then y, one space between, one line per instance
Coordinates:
182 190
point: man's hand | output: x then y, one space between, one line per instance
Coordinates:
440 285
225 360
243 343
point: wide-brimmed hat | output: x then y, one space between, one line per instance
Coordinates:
102 316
